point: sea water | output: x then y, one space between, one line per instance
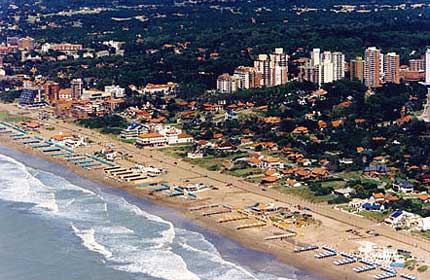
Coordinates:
57 225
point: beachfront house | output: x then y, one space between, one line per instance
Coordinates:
133 131
424 224
152 139
68 140
346 192
403 185
381 255
369 206
401 219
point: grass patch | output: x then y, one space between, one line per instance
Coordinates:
334 184
5 116
305 193
374 215
244 172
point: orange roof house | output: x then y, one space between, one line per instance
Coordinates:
322 124
150 135
61 137
423 197
272 120
218 135
336 123
270 180
300 130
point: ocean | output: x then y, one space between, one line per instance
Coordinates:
57 225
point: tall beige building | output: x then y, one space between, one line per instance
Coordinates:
356 69
278 67
249 77
372 67
262 64
392 68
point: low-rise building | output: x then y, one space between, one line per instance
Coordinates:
133 131
161 89
153 139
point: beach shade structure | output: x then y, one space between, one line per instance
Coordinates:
38 146
174 194
13 127
16 135
30 141
364 268
64 148
347 255
325 255
192 196
306 248
160 189
91 165
408 277
83 162
75 158
388 269
328 248
50 150
364 261
383 276
111 164
344 261
57 154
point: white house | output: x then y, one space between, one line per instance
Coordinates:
404 220
164 89
377 254
133 131
115 91
151 139
271 163
424 225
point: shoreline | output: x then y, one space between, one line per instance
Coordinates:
230 250
287 257
332 227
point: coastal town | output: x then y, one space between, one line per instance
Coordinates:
313 154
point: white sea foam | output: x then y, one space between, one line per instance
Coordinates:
17 184
167 236
231 271
89 241
123 241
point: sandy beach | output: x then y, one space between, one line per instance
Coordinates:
331 226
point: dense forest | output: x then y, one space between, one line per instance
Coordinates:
235 30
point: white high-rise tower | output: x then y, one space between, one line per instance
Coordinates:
427 67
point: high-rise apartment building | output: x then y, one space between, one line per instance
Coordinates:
392 68
26 43
427 66
372 67
262 64
356 69
315 57
324 67
417 65
228 83
77 87
249 77
52 91
338 60
278 67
